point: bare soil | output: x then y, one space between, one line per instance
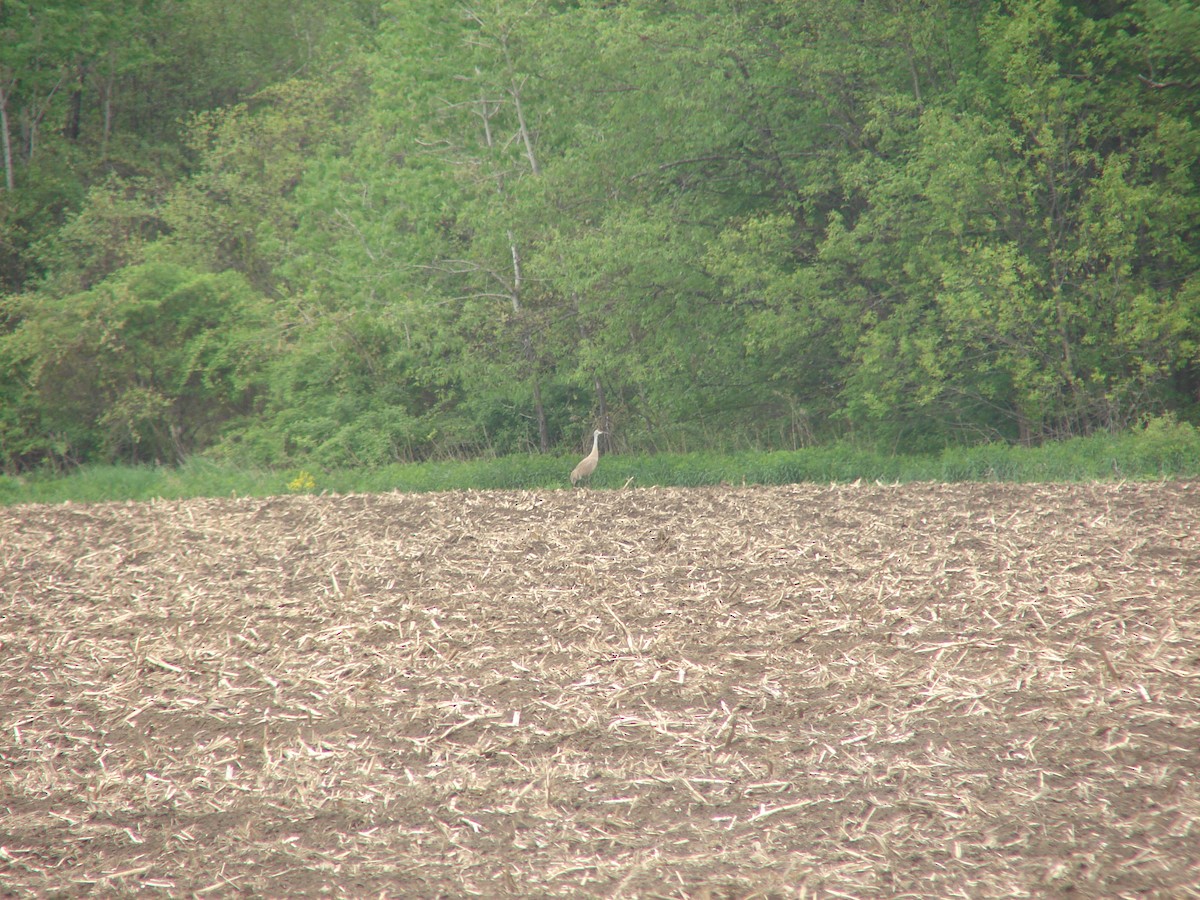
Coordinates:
855 691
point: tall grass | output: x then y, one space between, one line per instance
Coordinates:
1162 450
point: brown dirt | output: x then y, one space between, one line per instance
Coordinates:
858 691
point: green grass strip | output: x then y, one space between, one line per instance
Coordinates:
1162 451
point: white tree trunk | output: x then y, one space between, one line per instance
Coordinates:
6 137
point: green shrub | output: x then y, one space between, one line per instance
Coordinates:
145 366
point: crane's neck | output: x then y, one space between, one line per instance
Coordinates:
596 442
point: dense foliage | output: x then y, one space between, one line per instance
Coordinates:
361 231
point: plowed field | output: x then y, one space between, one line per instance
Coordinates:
854 691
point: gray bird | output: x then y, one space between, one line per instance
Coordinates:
587 465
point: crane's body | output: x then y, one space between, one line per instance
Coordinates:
587 465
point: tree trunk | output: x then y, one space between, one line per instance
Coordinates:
514 91
73 124
6 137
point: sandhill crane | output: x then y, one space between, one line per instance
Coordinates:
587 465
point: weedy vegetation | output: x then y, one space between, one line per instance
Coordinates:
1164 449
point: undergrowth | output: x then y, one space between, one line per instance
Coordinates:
1161 450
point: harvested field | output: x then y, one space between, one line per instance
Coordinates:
856 691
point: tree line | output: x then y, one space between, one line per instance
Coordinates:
353 232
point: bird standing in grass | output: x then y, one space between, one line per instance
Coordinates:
587 465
